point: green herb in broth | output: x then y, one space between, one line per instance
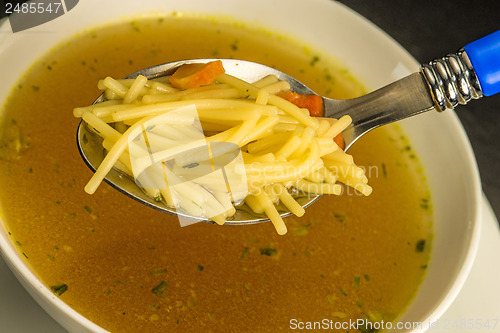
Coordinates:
130 268
59 289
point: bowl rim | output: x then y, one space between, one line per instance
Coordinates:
42 293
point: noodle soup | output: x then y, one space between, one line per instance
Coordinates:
127 267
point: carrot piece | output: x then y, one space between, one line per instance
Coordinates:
339 140
196 75
313 103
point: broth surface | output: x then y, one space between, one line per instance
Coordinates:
130 268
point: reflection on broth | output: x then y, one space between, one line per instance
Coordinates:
130 268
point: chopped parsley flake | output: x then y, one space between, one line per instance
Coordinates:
244 254
135 26
339 217
159 289
191 165
302 230
356 281
384 170
424 203
268 251
158 271
154 307
419 247
158 197
59 289
314 60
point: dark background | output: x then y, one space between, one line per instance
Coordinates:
430 29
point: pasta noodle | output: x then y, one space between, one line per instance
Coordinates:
205 151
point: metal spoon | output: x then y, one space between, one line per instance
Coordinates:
442 84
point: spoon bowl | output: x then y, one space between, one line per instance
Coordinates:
90 144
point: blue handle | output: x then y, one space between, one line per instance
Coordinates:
484 54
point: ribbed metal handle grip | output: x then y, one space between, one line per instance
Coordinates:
452 80
470 73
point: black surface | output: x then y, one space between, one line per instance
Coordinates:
430 29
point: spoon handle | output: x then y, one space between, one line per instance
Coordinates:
484 55
471 73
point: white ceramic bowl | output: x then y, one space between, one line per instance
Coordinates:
371 55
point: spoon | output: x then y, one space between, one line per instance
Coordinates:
444 83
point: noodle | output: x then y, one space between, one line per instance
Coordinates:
205 150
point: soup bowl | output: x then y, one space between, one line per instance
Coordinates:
372 56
